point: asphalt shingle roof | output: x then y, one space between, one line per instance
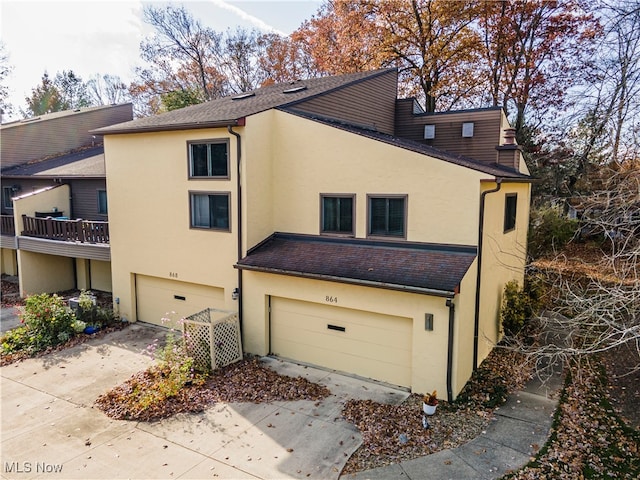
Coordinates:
407 266
87 162
229 109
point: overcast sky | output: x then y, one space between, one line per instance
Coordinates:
98 37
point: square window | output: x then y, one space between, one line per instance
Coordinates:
337 214
210 210
209 159
510 210
102 202
387 216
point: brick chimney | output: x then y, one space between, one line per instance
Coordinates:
509 154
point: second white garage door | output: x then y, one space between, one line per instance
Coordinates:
158 297
354 341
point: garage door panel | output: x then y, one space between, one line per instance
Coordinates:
160 298
369 327
371 345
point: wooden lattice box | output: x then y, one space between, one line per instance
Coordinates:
212 338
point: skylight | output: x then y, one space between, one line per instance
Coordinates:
242 96
295 89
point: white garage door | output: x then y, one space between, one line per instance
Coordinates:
158 297
354 341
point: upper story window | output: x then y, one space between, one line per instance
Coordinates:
337 212
510 210
102 202
209 159
209 210
7 197
387 216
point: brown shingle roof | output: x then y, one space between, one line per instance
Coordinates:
227 110
407 266
85 163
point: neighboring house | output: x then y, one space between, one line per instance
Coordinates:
55 233
320 213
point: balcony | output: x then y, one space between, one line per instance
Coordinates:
62 230
7 226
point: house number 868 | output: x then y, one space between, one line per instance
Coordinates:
331 299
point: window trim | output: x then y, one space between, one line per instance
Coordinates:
208 141
405 220
510 218
9 197
352 196
106 212
208 193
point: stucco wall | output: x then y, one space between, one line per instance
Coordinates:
9 258
44 200
148 190
311 158
40 273
429 349
503 260
100 275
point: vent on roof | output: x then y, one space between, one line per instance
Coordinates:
242 96
295 89
26 120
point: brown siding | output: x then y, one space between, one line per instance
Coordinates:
84 195
65 249
487 135
84 198
56 133
369 104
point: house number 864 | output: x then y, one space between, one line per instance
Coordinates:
331 299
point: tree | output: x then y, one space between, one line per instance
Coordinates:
107 90
45 98
72 89
5 69
595 307
65 92
533 50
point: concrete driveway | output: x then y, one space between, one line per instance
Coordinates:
51 430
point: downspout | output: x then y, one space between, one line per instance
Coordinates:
452 312
476 323
239 208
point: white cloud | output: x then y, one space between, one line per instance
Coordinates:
255 21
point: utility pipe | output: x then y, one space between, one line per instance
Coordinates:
476 323
239 209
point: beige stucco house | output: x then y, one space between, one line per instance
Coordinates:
348 228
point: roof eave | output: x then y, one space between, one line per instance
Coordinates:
237 122
353 281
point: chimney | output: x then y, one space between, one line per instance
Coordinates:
509 154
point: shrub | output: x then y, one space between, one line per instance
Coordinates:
48 320
515 307
549 231
92 314
16 339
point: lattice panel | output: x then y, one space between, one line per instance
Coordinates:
196 336
213 338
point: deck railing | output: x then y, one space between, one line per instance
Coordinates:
79 230
7 226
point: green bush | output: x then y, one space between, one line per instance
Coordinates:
92 314
516 308
549 231
49 320
16 339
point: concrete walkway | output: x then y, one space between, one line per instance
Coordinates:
50 428
518 430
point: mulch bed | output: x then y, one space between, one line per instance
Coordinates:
244 381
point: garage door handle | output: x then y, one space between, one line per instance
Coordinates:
336 327
179 297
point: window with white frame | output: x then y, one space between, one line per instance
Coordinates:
209 210
209 159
